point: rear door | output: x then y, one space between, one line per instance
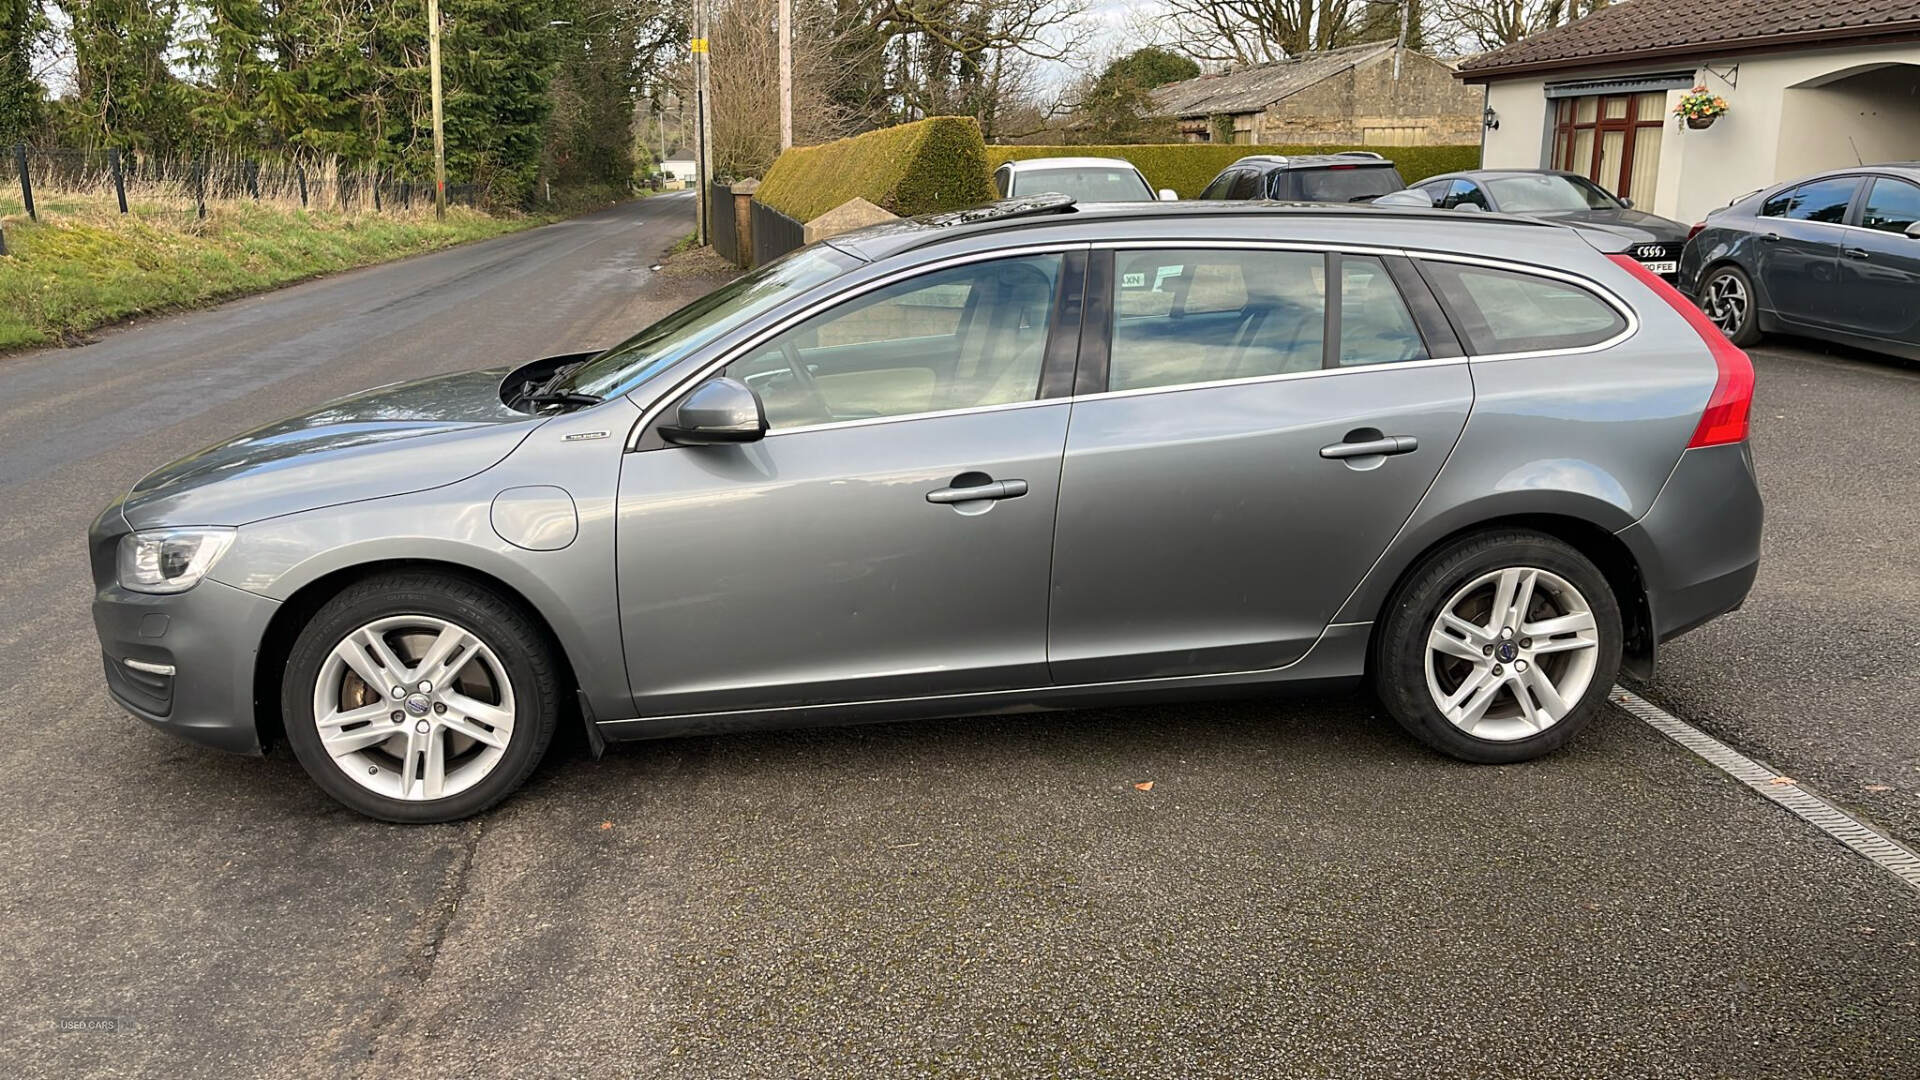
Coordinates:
1880 264
1241 454
1799 261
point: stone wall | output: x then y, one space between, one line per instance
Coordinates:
1366 106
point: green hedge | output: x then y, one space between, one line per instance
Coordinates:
939 163
1189 167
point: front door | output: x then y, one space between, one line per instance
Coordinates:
846 556
1799 260
1252 456
1880 264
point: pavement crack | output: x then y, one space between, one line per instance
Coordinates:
429 932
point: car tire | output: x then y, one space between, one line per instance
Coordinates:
1569 639
1727 296
401 753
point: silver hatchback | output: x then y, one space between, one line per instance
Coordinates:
1034 455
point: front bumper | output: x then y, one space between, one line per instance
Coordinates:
1699 546
192 653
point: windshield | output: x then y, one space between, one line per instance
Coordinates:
1090 184
1545 192
1348 183
666 342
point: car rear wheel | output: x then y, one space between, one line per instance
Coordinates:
1726 295
419 697
1500 647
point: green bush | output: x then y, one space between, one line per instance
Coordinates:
1189 167
939 163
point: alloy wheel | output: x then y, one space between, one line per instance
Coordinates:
1511 653
414 707
1727 302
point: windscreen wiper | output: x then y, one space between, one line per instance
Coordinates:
563 397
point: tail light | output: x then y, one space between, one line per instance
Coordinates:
1695 231
1725 417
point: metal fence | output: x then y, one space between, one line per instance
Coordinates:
774 233
59 180
721 229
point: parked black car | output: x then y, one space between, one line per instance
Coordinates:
1348 177
1836 254
1564 197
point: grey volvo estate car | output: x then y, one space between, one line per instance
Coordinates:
1033 455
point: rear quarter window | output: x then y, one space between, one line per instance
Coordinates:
1508 311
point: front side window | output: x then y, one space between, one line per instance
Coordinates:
1505 311
959 338
1892 205
665 343
1467 193
1191 316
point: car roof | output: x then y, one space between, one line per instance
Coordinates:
1027 217
1477 174
1365 158
1024 164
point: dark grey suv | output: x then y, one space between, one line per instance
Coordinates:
1836 255
1033 455
1352 176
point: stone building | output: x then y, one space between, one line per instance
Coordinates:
1363 95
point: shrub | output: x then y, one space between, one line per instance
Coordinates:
1189 167
939 163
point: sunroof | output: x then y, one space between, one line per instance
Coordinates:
1032 205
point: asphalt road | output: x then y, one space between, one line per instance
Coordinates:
1301 893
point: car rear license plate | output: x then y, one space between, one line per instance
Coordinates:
1663 266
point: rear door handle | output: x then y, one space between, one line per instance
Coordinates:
1770 236
1390 444
997 489
1858 253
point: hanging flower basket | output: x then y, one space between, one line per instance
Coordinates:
1700 108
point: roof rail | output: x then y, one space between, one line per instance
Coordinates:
1361 153
1030 206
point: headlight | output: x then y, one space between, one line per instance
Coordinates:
170 560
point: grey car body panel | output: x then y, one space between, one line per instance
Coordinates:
747 570
1631 225
1699 547
385 441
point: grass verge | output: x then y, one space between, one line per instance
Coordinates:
72 273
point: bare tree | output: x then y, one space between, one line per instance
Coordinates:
746 84
1479 25
1242 33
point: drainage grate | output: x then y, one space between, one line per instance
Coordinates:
1888 854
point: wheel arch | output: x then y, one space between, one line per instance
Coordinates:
276 644
1602 547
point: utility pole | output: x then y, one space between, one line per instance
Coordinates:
786 74
703 134
439 129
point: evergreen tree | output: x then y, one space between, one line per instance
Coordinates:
21 27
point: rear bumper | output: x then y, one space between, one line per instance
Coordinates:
1699 546
184 663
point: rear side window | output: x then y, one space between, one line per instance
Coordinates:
1200 315
1375 326
1347 183
1505 311
1821 200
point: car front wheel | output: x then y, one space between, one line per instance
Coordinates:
419 697
1726 295
1500 647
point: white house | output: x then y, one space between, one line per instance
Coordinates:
680 168
1808 86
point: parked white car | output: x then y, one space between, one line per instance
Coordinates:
1087 179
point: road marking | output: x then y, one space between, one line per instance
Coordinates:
1883 851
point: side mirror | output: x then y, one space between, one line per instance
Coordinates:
1167 194
1913 230
720 411
1628 203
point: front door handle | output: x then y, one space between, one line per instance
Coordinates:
1387 444
1858 253
1770 236
993 489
